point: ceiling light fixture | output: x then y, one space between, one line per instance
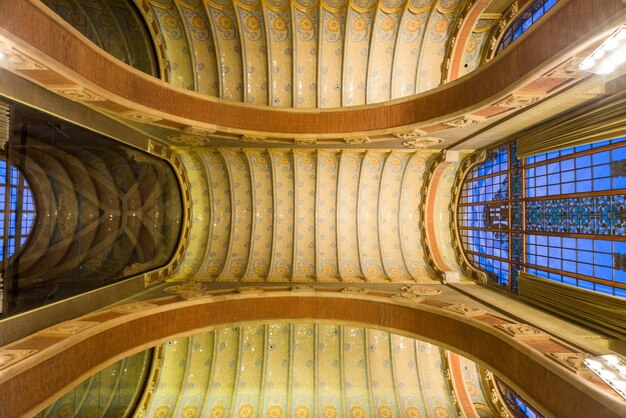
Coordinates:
609 56
611 369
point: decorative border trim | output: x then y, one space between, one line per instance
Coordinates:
428 177
467 164
164 152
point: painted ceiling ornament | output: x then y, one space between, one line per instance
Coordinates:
197 131
357 140
465 121
66 329
385 411
572 361
522 331
414 133
330 412
133 307
78 94
274 411
409 297
188 291
305 141
10 357
302 288
246 411
413 412
185 139
518 101
465 310
355 290
302 412
423 142
421 290
250 289
218 411
357 412
137 116
567 69
253 138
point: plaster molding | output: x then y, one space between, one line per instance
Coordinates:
357 140
133 307
423 142
572 361
522 331
67 329
78 94
464 121
420 290
305 141
253 138
519 100
413 133
465 310
137 116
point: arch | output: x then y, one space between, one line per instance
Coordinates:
99 339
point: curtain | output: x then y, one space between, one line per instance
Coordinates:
597 121
601 312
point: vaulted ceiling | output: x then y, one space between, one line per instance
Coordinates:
296 53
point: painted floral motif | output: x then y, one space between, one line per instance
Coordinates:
274 411
302 412
357 412
246 411
162 411
413 412
190 411
330 411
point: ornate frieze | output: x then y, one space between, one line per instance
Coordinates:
253 138
422 142
189 291
522 331
137 116
357 140
133 307
250 289
302 288
10 357
465 121
465 310
414 133
355 290
419 290
78 94
519 101
305 141
572 361
66 329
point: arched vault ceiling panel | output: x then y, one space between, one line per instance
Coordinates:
278 31
306 215
173 37
356 53
253 51
332 26
408 47
307 53
201 46
304 16
383 42
228 47
310 369
440 25
474 46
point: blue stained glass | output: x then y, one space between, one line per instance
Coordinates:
584 161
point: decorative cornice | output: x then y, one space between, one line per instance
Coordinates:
190 140
196 131
567 69
189 291
419 290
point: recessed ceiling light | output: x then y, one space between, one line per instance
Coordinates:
609 56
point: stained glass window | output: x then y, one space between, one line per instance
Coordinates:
567 223
524 22
17 210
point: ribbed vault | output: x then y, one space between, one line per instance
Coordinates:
305 53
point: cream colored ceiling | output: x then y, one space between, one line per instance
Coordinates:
305 53
306 370
327 215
